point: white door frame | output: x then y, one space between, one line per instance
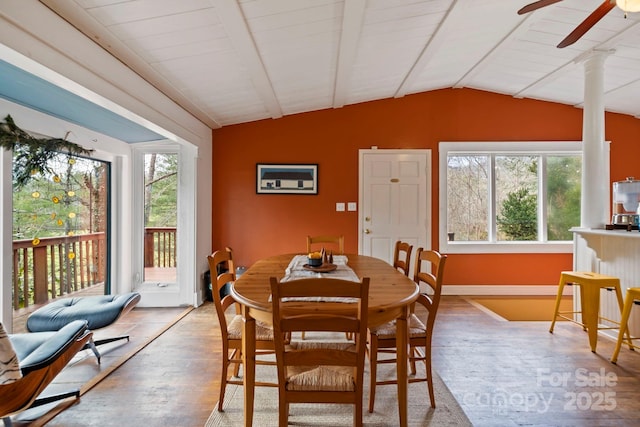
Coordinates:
181 293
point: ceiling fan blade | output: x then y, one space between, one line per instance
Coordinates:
586 25
536 5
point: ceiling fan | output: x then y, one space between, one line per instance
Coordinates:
596 15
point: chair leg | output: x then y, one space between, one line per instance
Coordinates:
93 344
283 412
412 360
223 378
111 339
427 365
626 312
557 307
373 366
357 414
7 422
54 398
237 354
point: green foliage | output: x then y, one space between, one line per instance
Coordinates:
68 201
31 154
161 186
518 217
563 192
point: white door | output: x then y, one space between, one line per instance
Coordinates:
163 225
395 201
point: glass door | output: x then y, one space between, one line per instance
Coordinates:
161 245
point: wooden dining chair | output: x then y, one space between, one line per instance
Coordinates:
317 242
402 256
231 329
429 271
320 372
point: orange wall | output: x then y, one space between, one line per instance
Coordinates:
257 226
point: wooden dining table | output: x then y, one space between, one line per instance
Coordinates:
391 294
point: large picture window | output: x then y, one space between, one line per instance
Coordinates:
60 231
509 197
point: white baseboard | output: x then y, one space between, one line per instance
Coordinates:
471 290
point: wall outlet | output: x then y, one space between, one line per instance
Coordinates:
339 207
352 206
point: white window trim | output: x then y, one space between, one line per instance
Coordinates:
507 147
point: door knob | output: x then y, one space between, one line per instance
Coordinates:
367 231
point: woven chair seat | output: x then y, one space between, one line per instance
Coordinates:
264 332
388 330
321 378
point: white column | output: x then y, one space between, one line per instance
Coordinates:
595 173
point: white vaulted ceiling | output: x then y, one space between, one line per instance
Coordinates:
229 61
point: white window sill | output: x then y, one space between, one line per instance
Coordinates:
505 247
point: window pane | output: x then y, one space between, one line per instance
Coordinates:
517 198
160 217
468 197
59 230
563 196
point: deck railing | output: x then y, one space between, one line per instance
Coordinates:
160 247
57 266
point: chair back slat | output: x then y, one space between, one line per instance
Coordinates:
222 260
429 273
402 256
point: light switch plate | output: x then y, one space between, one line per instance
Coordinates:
339 207
352 206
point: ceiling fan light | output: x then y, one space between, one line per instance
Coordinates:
629 5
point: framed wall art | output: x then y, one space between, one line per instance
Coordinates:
286 178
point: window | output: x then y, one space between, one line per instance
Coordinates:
60 230
160 216
509 196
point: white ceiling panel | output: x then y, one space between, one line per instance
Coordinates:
229 61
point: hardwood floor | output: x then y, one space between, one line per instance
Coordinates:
502 373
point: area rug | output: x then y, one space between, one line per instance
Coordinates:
447 412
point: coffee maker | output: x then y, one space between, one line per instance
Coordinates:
626 198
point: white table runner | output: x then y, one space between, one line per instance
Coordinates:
296 270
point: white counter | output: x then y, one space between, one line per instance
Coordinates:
614 253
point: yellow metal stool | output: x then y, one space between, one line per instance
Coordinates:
590 285
633 294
